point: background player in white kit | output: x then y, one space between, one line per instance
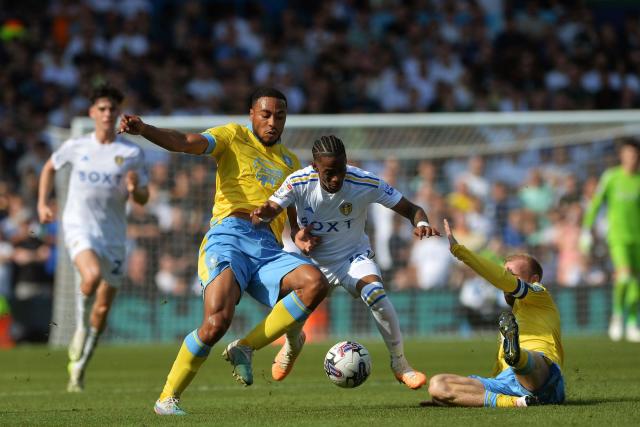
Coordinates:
331 200
106 170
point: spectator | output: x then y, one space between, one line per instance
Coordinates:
429 264
475 179
31 304
536 195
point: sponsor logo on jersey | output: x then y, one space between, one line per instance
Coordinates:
119 160
328 226
103 178
345 208
267 173
84 158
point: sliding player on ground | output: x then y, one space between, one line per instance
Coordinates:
531 355
331 199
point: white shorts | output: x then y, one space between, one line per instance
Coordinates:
112 258
348 273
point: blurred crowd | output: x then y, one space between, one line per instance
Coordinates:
531 202
343 56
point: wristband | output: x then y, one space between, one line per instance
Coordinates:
422 224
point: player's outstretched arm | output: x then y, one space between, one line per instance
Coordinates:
169 139
418 218
45 185
492 272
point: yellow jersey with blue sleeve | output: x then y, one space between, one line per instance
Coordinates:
536 313
248 171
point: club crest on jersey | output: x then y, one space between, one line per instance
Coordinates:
287 160
119 160
346 208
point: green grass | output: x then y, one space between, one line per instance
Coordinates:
603 388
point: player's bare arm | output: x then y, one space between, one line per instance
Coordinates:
140 194
45 185
418 218
169 139
292 214
302 237
305 241
266 212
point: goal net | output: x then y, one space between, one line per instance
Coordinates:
509 182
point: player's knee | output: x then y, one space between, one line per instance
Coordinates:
439 389
214 327
315 283
92 278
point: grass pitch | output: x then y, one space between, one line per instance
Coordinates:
122 383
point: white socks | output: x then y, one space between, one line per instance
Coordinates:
384 314
84 332
292 343
89 346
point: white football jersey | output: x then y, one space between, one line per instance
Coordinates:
98 195
338 218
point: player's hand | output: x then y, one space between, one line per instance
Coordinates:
45 213
450 236
263 214
132 181
586 242
425 231
305 241
131 124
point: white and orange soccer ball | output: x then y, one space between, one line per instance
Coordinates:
347 364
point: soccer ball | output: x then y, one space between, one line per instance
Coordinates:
347 364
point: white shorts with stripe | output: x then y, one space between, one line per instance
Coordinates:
348 272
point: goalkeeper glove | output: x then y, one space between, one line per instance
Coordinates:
586 241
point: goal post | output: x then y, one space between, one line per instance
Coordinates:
154 312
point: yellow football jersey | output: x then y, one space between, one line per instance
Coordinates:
536 313
248 172
538 324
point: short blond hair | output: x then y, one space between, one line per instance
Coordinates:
534 265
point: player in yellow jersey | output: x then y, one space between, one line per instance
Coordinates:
236 256
531 356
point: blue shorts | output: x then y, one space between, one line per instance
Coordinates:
253 254
552 392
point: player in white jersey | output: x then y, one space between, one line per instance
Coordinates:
105 171
331 200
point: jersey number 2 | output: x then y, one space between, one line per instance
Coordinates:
117 269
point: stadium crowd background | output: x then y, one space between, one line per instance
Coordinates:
203 58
